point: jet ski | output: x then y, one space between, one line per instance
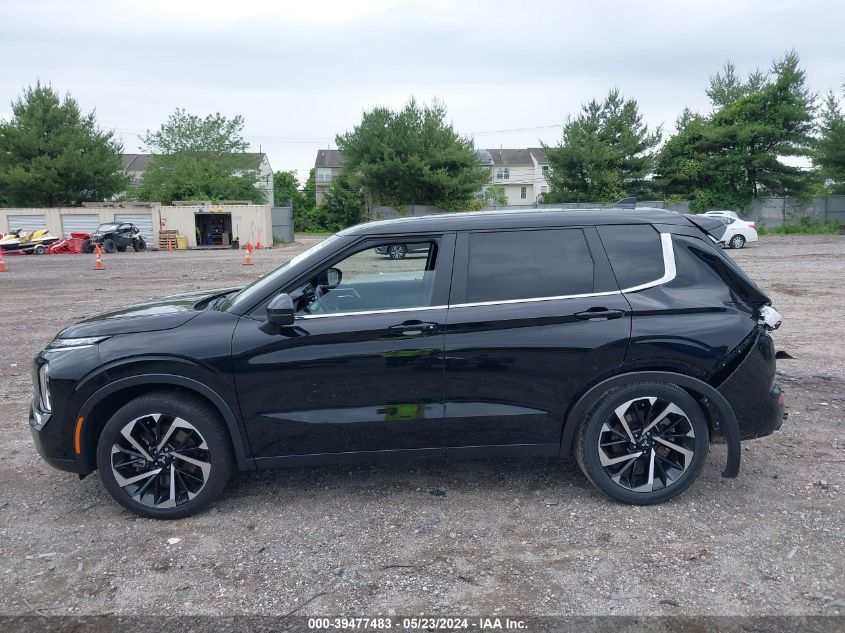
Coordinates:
27 242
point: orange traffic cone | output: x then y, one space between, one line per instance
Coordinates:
248 258
169 245
2 264
258 244
99 264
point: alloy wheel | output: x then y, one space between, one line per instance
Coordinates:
647 444
160 460
737 241
397 251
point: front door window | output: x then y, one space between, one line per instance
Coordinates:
390 276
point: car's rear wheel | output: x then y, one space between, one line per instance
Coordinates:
643 443
109 246
397 251
737 241
165 456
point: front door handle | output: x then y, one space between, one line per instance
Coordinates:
599 314
413 328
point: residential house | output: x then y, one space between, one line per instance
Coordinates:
326 168
134 166
521 173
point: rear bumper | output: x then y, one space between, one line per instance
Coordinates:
751 390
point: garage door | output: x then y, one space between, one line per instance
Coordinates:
86 223
27 222
144 222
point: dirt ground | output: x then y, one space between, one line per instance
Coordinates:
525 537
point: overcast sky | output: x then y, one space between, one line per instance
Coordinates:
300 72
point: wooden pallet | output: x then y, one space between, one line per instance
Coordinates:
166 236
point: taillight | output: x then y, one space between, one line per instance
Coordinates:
753 225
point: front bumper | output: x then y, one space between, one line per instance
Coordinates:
751 390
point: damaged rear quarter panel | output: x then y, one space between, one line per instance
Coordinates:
691 323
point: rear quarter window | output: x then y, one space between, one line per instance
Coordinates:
635 253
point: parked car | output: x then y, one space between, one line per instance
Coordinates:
626 338
398 251
738 232
730 214
116 236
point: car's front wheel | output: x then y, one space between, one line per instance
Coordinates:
737 241
139 245
109 246
643 443
165 456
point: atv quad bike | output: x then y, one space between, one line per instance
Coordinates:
115 236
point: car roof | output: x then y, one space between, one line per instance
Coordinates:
530 218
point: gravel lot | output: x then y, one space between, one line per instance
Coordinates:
525 537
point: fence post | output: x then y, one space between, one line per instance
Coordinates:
826 201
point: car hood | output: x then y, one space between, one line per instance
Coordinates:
151 316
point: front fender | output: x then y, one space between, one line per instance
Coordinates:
243 455
729 426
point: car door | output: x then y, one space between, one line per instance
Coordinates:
361 369
534 317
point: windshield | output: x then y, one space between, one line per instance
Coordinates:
262 285
104 228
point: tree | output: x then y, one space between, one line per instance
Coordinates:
200 159
726 87
492 196
412 156
736 153
606 152
342 206
53 155
286 188
829 154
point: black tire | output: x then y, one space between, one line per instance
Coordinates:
397 251
87 247
637 472
214 452
139 245
121 249
109 246
40 249
737 241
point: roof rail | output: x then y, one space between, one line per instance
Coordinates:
625 203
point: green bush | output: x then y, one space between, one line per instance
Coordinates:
805 226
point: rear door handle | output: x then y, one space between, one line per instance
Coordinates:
413 328
599 314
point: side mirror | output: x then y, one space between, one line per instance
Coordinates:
280 310
334 277
330 278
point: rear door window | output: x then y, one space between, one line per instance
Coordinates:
635 253
512 265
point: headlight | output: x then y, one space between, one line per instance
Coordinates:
65 343
44 387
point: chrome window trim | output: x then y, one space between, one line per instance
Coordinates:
385 311
669 273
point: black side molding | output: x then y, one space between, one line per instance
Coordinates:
729 425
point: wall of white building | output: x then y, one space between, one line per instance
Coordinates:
251 223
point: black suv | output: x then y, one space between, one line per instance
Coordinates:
625 337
